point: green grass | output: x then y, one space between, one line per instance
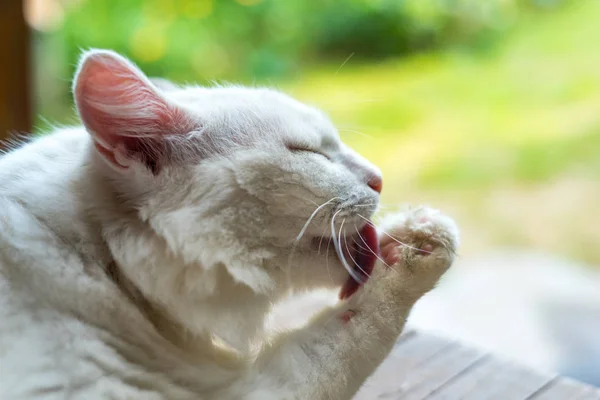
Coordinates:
506 140
526 112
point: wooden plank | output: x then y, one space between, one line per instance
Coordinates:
566 389
436 372
412 349
423 366
417 367
14 70
492 379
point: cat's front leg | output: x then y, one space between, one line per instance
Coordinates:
334 354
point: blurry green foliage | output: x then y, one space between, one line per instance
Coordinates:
526 113
258 39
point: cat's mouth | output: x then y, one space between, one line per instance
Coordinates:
359 253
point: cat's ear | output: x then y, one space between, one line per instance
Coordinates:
128 118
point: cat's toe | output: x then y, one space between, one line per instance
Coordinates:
421 229
420 245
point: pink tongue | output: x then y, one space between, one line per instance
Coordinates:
364 258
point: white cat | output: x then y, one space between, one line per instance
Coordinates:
141 253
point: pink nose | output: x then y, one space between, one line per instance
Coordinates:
375 183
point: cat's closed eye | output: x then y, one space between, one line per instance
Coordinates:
301 148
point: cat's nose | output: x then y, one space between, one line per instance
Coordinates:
375 183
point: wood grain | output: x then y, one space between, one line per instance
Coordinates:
424 366
566 389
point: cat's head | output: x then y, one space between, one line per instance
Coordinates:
242 178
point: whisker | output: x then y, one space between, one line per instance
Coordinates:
357 132
374 253
303 230
338 249
326 255
354 261
327 258
404 244
312 216
396 240
321 240
367 251
344 63
378 206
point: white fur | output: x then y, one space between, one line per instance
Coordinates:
119 281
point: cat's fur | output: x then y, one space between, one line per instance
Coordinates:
141 253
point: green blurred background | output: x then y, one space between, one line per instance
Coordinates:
488 109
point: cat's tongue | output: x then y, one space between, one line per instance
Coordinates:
364 259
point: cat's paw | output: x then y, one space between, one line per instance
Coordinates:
418 246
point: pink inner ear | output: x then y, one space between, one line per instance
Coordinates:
116 101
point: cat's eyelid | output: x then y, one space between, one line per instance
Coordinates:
305 148
299 147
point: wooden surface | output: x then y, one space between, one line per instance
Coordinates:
14 70
422 366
